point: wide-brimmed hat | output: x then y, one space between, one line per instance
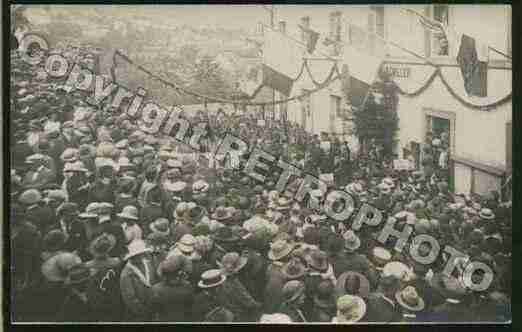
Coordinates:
211 278
200 186
351 280
129 212
136 247
78 275
486 214
381 256
57 267
102 245
318 260
275 318
232 263
224 234
177 186
279 249
186 243
30 197
294 269
399 270
410 299
160 226
350 308
91 211
351 240
222 213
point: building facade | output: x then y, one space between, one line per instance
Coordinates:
479 128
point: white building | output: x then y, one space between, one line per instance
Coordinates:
480 138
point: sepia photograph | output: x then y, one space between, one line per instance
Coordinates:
258 164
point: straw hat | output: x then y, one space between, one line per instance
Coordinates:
350 309
91 211
399 270
30 197
223 234
211 278
137 247
129 212
279 249
276 318
222 213
486 214
381 256
200 186
186 244
410 299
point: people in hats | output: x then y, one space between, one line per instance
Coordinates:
77 306
136 280
238 299
352 283
172 297
279 254
350 309
293 300
207 300
40 172
324 302
129 217
100 249
35 211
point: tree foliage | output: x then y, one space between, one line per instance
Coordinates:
378 118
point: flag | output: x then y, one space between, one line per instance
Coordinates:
363 70
473 62
311 38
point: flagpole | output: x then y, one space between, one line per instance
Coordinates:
433 21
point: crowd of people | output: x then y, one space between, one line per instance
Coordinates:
109 223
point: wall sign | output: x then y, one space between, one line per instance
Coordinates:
397 71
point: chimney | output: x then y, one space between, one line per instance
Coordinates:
335 25
282 26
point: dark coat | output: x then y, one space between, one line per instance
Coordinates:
380 309
101 192
38 179
172 302
75 309
43 217
204 302
296 315
236 298
346 261
275 280
449 312
136 295
148 215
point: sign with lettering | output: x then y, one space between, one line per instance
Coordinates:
398 71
